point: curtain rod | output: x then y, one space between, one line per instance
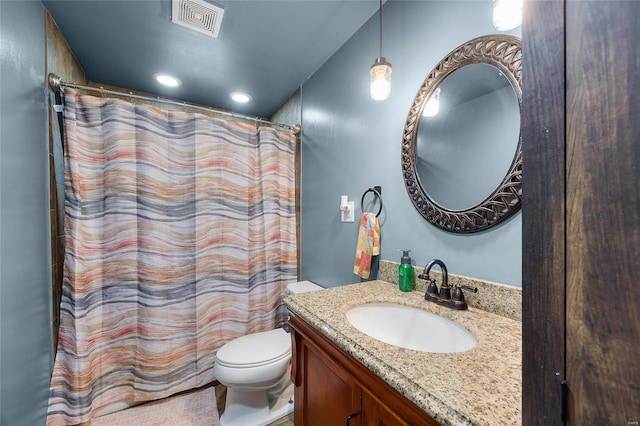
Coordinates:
57 83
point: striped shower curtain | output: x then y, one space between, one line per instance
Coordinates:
180 236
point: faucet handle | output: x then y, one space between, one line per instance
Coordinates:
458 295
432 288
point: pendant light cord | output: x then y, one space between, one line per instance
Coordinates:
380 28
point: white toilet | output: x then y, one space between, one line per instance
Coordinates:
255 370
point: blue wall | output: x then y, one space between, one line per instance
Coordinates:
25 273
350 143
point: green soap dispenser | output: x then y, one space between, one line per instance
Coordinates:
406 275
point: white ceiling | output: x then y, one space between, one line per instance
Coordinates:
266 48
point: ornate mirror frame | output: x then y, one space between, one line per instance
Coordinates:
505 53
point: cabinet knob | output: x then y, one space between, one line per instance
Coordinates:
351 416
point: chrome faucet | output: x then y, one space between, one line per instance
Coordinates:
443 296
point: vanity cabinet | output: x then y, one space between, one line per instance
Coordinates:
332 388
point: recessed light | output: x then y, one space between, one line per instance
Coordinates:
240 97
167 80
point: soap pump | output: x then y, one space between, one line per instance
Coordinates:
406 274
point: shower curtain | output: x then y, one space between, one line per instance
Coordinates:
180 235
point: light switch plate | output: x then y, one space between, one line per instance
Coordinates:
349 212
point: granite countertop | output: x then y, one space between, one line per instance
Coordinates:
481 386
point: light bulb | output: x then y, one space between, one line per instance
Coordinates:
240 97
167 80
380 79
507 14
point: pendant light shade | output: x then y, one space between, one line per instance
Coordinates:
380 73
380 79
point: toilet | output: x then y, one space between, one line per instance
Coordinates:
255 369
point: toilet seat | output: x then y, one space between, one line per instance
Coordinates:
274 345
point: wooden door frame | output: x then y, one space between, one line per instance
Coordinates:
581 222
543 211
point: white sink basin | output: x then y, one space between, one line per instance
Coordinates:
410 328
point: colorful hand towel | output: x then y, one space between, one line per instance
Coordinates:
368 244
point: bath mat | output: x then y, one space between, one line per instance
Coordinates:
196 408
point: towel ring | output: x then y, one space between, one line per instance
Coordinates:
377 191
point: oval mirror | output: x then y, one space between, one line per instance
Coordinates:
461 148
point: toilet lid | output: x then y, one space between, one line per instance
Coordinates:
255 349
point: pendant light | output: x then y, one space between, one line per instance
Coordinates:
507 14
380 73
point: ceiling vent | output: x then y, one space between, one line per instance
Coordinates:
198 15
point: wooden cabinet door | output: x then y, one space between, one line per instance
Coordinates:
325 393
375 413
330 385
